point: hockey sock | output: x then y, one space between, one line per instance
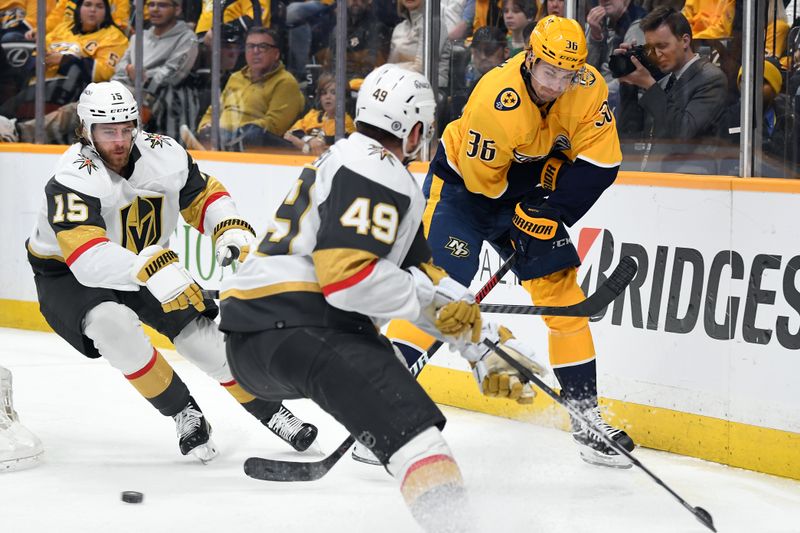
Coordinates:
579 383
431 483
160 385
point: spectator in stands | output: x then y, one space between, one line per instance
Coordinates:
611 23
777 29
170 50
686 105
457 17
367 41
306 22
489 49
516 15
241 11
710 19
315 132
777 123
487 13
259 102
59 127
552 7
17 17
84 50
60 11
406 45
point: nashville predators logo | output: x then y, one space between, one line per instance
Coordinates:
141 223
85 162
507 100
586 77
457 247
156 139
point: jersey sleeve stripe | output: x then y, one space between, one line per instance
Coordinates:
81 249
327 290
211 199
73 242
195 213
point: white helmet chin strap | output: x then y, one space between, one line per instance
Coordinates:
423 134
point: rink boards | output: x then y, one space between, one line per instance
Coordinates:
699 356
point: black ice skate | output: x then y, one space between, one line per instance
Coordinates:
194 433
300 435
595 451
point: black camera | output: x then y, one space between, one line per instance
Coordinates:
621 64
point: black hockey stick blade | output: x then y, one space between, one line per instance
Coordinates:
275 470
593 305
701 514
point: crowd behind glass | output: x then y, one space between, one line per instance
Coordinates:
277 63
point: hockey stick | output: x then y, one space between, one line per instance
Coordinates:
213 294
593 305
701 514
275 470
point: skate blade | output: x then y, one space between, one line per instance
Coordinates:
593 457
21 463
366 460
205 452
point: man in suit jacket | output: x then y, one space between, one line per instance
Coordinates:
678 116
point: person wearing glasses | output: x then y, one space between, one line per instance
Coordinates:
170 50
534 149
259 102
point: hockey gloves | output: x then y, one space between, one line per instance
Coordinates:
158 269
450 307
232 239
495 377
536 230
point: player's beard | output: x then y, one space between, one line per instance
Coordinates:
116 157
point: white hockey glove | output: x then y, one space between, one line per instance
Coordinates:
495 377
446 304
232 239
158 269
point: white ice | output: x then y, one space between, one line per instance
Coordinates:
102 438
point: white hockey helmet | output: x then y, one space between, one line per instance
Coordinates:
394 100
106 102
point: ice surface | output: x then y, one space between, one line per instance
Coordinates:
102 438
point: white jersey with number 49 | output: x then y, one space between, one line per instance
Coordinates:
341 238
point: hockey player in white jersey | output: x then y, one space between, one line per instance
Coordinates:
344 254
101 266
19 448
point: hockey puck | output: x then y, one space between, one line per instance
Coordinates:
131 496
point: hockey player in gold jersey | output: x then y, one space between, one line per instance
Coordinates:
536 144
101 266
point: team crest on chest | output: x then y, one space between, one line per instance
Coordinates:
141 223
507 100
156 139
457 247
85 162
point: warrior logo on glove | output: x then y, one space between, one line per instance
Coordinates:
541 228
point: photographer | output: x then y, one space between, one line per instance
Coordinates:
610 23
684 106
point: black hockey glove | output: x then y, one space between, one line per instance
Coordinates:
536 230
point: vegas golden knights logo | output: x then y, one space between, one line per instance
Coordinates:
141 223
